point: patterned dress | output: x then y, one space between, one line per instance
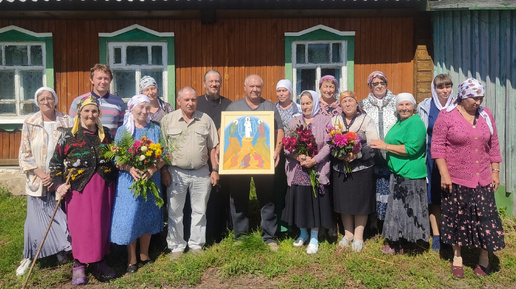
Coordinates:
133 217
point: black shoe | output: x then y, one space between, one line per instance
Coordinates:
131 268
146 262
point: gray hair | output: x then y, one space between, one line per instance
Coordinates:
251 75
186 88
212 71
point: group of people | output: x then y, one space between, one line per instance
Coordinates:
412 168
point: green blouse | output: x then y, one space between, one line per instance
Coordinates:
412 133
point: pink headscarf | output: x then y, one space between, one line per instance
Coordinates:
332 79
373 75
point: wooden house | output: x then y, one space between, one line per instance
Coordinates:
55 43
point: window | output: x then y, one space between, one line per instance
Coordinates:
318 51
132 54
24 63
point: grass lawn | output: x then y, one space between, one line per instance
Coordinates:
252 265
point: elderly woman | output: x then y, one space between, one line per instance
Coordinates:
133 217
354 194
380 105
159 108
90 193
286 107
287 110
39 136
428 110
329 87
466 149
303 207
406 218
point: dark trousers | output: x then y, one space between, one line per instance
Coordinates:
239 192
218 212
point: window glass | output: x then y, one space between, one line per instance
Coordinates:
29 108
125 83
300 53
118 55
16 55
36 55
30 81
318 53
336 51
137 55
8 109
157 55
330 71
6 85
305 80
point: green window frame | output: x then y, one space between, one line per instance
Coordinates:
340 46
139 36
14 36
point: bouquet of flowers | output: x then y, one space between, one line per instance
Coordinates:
140 154
343 143
302 142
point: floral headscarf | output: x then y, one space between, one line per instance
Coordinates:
374 75
129 118
87 100
147 81
472 88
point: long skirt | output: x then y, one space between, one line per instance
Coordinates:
89 219
470 218
39 213
304 210
354 194
407 210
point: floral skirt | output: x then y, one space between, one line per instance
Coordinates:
382 175
470 218
407 210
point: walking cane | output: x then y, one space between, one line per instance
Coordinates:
48 229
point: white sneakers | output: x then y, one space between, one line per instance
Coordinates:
312 249
24 266
300 242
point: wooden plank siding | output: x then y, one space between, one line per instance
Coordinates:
236 47
482 44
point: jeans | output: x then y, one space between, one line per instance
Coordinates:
199 184
239 201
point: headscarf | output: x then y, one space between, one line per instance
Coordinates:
436 98
349 93
405 96
45 88
315 101
129 118
87 100
472 88
147 81
285 83
374 75
332 79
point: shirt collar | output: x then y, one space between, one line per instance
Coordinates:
106 96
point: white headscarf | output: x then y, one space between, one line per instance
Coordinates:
129 118
472 88
405 96
315 101
41 89
436 98
285 83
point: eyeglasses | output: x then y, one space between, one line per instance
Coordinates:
383 83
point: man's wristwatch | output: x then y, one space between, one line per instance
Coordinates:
215 170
